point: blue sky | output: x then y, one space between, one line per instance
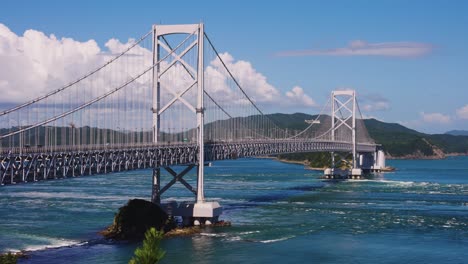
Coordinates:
416 76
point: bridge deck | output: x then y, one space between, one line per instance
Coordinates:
34 164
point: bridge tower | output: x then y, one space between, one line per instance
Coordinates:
343 124
200 210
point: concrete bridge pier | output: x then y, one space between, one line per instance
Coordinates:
192 213
372 162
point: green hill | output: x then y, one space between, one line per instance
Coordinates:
397 140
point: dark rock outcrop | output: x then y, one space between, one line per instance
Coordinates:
133 219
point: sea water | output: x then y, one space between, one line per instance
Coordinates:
280 213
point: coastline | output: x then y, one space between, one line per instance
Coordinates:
423 157
307 167
298 162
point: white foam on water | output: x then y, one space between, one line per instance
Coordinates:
398 183
275 240
300 203
234 238
49 243
65 243
12 250
249 232
69 195
214 234
338 212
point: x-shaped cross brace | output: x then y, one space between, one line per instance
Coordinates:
178 177
345 106
189 69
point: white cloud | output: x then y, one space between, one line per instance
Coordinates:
297 95
462 112
35 63
254 83
363 48
376 106
437 118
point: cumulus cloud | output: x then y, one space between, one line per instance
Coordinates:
436 118
254 83
35 63
363 48
462 112
297 95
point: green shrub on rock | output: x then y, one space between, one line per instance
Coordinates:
150 252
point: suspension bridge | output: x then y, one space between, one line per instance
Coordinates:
163 100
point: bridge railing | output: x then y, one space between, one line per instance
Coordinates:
116 147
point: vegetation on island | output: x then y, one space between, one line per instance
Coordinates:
9 258
12 257
318 160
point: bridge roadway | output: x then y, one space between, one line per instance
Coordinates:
43 163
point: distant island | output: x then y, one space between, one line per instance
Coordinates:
457 132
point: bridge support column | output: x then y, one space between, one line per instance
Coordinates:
379 160
156 193
200 210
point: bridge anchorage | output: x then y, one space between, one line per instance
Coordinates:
168 99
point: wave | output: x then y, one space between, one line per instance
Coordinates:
46 243
249 232
241 237
58 244
276 240
68 195
214 234
384 181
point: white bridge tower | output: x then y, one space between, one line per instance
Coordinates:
343 128
200 210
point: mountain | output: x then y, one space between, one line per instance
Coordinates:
457 132
397 141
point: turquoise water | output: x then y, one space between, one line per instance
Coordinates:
281 213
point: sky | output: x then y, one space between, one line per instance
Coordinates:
407 60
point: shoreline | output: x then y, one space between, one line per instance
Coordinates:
419 157
298 162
